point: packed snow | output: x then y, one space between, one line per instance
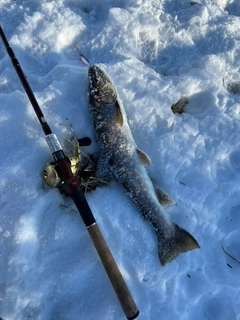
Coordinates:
155 52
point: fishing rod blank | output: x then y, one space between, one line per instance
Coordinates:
71 182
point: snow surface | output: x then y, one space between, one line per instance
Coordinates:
155 52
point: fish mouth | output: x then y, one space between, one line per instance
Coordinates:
101 89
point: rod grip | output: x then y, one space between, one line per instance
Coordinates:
124 296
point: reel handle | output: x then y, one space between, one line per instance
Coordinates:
84 142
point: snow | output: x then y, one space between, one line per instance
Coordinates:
155 52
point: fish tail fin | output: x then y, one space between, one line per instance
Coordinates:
169 249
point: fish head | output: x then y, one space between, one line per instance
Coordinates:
101 89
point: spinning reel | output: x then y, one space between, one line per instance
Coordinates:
83 167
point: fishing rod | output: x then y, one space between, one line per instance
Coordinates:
71 183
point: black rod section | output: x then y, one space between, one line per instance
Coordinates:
26 85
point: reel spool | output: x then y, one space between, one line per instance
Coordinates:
51 173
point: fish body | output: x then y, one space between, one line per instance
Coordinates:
121 159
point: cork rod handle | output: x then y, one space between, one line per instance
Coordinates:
124 296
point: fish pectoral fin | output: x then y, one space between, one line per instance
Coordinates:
119 116
144 158
181 241
163 197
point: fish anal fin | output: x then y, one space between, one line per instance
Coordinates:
163 198
169 249
144 158
119 116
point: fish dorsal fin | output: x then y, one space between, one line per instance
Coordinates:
119 116
144 158
162 196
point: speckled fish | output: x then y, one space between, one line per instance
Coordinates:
122 159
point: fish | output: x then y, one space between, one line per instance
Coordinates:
122 160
